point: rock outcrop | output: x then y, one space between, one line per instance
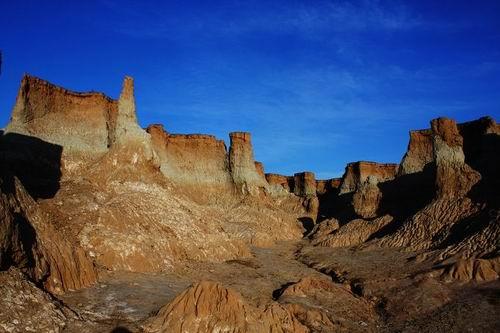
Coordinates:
210 307
89 119
245 175
279 184
260 169
454 178
367 198
327 185
418 154
192 159
25 308
356 173
304 184
30 241
353 233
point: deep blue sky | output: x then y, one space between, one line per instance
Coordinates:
318 83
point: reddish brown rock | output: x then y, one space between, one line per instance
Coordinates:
353 233
325 306
304 184
260 169
29 241
192 159
418 154
327 185
242 164
209 307
472 269
366 199
356 173
279 184
454 178
41 108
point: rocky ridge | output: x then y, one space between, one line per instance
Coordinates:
85 190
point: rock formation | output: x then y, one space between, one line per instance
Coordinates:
418 154
328 185
87 196
454 178
279 184
304 184
367 198
260 169
356 173
29 241
193 159
89 118
25 308
242 164
210 307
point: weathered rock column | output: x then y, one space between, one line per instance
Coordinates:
242 164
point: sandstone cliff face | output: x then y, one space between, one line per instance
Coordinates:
328 185
454 178
304 184
418 154
260 169
279 184
242 163
86 125
89 118
356 173
192 159
367 198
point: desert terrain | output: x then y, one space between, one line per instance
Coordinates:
110 227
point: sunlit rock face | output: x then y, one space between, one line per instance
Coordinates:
87 194
304 184
357 173
418 154
81 122
192 159
242 164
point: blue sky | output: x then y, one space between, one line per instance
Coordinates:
318 83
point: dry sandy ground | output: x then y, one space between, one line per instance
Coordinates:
394 284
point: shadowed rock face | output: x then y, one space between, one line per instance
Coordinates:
328 185
29 241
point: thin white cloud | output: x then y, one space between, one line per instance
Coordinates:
307 19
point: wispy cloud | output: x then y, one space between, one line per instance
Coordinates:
307 19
